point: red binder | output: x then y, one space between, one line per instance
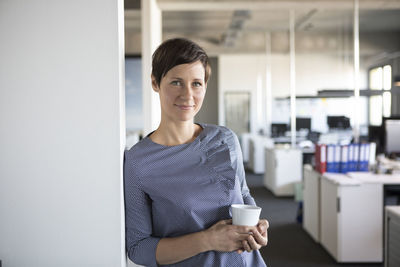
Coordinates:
320 158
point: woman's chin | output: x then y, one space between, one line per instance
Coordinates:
186 116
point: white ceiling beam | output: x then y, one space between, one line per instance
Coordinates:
171 5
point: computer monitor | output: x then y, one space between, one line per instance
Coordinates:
278 129
338 122
303 123
376 134
392 136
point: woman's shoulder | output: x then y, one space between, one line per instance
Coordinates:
219 133
216 128
138 150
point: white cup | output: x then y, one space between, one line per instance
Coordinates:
247 215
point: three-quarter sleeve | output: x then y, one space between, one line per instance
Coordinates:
140 244
240 173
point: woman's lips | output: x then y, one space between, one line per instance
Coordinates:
184 107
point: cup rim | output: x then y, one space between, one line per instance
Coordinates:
245 207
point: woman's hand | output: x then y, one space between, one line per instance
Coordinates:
258 239
223 236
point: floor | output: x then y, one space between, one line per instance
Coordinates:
289 245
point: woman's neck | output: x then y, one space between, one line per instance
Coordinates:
175 133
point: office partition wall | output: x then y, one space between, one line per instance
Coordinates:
62 133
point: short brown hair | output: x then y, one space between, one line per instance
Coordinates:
175 52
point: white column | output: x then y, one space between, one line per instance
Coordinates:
292 80
260 122
62 138
151 39
268 83
356 126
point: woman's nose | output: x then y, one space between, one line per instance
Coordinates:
187 92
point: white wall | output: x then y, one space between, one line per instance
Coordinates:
314 71
62 133
240 73
151 39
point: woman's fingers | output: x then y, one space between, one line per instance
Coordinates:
260 239
246 246
263 226
243 237
245 229
253 245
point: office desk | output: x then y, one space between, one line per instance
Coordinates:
288 139
390 183
367 177
283 169
351 220
311 202
245 144
308 152
352 210
392 236
257 145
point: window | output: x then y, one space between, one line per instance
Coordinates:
387 86
380 78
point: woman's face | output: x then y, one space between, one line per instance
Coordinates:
181 91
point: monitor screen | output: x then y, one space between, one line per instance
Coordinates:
278 129
376 134
303 123
339 122
392 136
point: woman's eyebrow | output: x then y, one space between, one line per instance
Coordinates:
177 78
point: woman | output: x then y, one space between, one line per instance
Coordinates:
181 179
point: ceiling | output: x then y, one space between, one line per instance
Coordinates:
239 26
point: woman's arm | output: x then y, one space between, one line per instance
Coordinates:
222 236
140 243
175 249
259 237
237 162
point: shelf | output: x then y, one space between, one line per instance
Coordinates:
343 93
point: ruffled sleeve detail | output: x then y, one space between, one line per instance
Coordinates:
223 157
218 158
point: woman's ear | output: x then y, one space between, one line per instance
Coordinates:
154 84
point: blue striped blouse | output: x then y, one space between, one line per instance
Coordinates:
176 190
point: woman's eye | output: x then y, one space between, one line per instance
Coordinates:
176 83
197 84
